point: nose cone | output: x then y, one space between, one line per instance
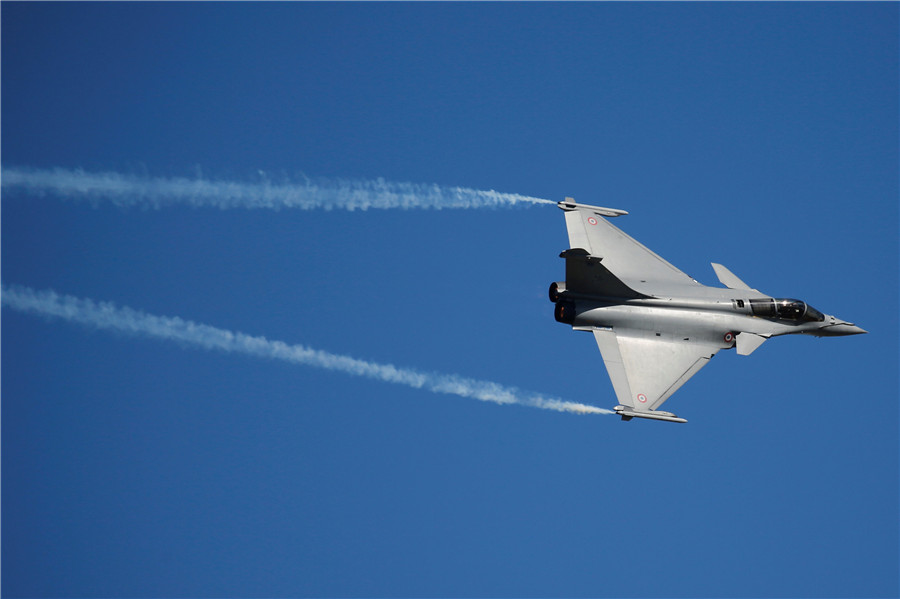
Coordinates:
845 329
840 328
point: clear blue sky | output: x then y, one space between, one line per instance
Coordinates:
762 136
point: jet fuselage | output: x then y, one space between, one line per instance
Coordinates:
655 326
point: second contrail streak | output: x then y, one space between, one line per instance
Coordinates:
106 315
324 194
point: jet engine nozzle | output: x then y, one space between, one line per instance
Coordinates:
565 312
557 289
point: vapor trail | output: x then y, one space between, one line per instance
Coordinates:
325 194
106 315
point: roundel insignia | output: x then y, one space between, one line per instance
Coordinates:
729 337
642 398
592 220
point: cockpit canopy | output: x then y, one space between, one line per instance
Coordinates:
785 309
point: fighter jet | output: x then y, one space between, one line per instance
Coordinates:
656 327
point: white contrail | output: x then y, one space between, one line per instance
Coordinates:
106 315
326 194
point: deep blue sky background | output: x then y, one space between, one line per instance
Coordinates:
762 136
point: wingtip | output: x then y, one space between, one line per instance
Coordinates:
627 414
569 204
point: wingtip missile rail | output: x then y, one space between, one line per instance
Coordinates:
627 414
569 204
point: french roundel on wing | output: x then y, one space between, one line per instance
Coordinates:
728 338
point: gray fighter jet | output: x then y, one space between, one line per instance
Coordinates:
656 327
